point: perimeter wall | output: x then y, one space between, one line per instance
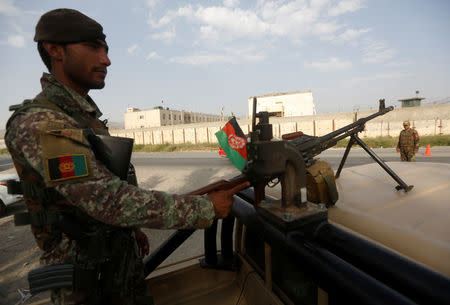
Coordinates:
427 120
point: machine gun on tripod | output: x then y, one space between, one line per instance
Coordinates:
290 159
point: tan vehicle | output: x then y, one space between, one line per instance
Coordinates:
358 239
394 248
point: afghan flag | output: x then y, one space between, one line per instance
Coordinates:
67 167
233 142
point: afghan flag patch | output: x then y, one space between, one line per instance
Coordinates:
67 167
234 143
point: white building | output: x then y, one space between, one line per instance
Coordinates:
284 104
135 118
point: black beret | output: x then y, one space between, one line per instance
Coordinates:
67 25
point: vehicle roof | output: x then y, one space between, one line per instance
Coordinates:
415 224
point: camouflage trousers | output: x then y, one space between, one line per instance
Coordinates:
127 286
139 296
407 154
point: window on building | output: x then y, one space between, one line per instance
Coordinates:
169 116
164 116
141 117
179 117
175 117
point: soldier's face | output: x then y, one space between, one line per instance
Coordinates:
406 127
86 63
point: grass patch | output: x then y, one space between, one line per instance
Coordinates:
386 142
389 142
176 147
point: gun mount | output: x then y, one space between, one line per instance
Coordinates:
289 160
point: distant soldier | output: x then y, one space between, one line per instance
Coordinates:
80 212
408 143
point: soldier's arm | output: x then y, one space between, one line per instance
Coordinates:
101 194
416 141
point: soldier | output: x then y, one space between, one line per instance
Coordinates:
80 212
408 143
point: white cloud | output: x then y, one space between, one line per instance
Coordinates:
237 22
229 55
202 59
400 64
16 41
250 53
231 3
152 3
165 35
351 34
377 77
152 55
209 33
376 52
164 20
331 64
132 49
325 30
345 7
8 8
265 22
267 19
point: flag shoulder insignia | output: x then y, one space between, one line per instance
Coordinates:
65 156
66 167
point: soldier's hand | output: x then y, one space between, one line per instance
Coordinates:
142 241
415 152
222 200
397 149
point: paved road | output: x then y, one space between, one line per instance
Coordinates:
357 156
5 162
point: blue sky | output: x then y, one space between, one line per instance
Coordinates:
204 55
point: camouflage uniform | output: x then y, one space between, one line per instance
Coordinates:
96 199
408 142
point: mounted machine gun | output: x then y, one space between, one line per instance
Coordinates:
288 243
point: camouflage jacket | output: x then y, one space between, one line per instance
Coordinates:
408 139
38 137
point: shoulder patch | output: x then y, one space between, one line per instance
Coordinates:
65 160
67 167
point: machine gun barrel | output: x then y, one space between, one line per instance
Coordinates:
311 146
358 123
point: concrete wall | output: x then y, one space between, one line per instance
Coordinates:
427 120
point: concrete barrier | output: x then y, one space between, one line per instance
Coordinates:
427 120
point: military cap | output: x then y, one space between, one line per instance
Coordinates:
406 123
67 25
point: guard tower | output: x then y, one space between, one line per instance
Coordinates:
412 101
